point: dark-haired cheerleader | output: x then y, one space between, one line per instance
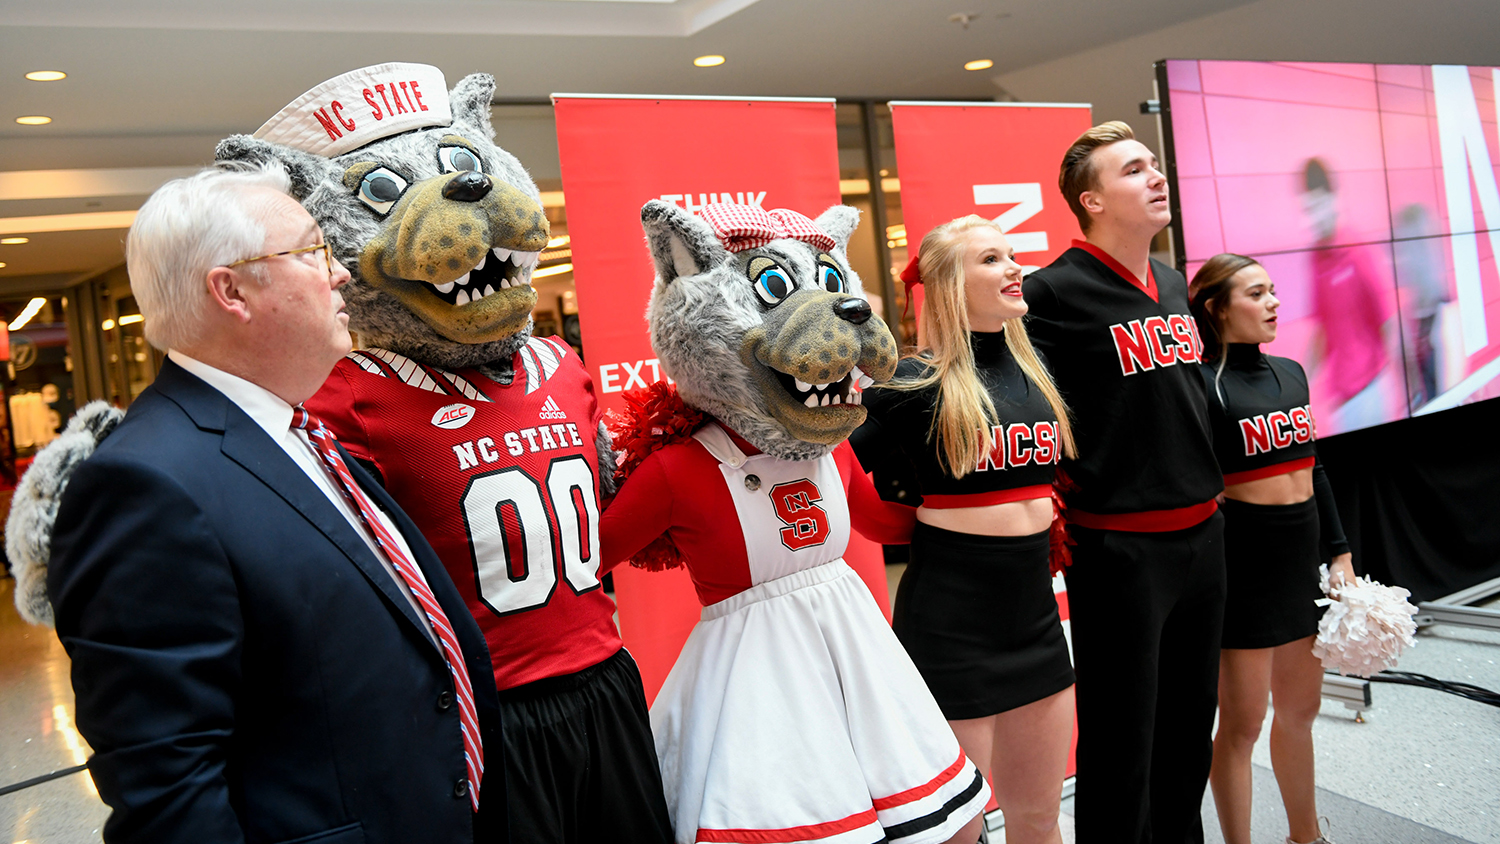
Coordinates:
1277 506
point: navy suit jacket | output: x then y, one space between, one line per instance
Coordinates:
245 668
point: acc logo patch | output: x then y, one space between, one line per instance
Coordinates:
453 416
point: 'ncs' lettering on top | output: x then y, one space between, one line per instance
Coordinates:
1156 341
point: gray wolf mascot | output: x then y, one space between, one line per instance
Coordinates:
489 438
792 713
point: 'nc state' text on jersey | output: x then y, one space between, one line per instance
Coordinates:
1145 344
541 438
1277 429
1020 443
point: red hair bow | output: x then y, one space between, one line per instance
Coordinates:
741 227
911 277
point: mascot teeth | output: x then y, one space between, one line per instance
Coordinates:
842 391
512 268
860 379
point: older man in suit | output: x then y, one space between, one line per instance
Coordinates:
264 647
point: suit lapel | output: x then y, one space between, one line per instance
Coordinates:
247 444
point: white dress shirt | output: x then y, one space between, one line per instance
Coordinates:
274 416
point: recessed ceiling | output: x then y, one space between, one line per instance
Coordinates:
156 83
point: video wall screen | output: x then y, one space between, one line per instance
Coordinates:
1369 194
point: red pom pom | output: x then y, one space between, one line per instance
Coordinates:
1061 554
654 417
660 555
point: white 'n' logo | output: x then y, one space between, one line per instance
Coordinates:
1460 131
1027 197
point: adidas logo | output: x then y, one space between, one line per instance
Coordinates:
550 410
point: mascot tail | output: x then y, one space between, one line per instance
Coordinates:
28 531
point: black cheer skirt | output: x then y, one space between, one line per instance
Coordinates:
978 617
1271 556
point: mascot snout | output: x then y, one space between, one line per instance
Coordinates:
818 337
458 250
812 362
766 328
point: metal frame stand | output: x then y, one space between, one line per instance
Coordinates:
1452 609
1352 692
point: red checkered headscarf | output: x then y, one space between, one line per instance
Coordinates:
741 227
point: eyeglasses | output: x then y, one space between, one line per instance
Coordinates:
319 247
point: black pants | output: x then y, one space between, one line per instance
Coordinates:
1146 611
580 762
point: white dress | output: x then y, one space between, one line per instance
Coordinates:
793 714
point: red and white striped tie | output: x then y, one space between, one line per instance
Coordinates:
322 440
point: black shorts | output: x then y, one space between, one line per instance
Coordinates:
580 762
978 617
1271 556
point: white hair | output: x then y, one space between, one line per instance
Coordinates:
188 227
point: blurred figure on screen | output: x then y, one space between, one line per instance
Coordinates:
1420 271
1348 350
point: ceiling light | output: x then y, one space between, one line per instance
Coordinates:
14 241
33 120
557 270
131 319
2 265
32 308
46 75
979 64
560 240
107 325
708 61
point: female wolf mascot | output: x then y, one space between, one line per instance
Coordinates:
792 713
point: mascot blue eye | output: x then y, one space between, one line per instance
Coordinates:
380 188
454 159
831 279
772 285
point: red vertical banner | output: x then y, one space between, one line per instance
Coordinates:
618 152
997 160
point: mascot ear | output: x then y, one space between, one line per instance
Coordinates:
470 100
681 244
839 222
306 170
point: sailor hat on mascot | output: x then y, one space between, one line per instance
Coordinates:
488 437
792 713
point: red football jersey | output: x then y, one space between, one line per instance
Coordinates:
503 480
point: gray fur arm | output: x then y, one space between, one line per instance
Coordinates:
33 510
607 463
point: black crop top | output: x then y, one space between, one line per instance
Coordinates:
1259 413
894 439
1262 426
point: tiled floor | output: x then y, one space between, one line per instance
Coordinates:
37 737
1424 768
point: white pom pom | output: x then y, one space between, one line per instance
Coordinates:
1365 628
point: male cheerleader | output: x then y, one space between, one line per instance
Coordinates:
1146 587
